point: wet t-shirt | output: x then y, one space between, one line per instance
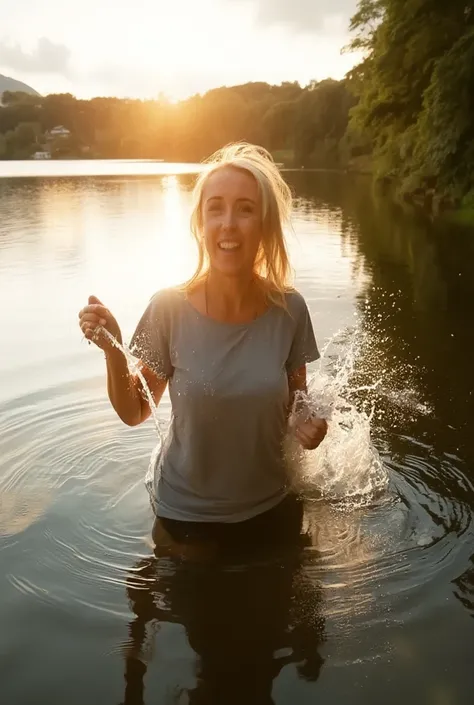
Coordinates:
223 460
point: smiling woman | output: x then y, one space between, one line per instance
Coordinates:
240 206
232 344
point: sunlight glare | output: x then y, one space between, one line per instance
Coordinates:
177 254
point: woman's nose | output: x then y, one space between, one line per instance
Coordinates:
228 219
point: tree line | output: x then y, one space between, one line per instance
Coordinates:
301 126
405 111
415 94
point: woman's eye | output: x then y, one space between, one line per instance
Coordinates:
246 209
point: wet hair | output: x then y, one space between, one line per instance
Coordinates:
272 265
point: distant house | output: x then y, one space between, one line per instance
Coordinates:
59 131
42 155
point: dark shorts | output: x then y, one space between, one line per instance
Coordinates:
279 526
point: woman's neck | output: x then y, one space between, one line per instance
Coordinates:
233 297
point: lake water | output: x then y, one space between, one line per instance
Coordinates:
379 608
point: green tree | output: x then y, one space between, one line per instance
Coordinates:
445 146
321 119
279 125
22 142
12 98
414 90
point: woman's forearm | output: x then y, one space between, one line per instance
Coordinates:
122 388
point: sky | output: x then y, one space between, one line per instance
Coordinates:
141 48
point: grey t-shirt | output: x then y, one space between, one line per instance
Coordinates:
223 460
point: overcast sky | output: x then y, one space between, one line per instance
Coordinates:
140 48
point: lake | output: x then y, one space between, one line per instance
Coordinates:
379 607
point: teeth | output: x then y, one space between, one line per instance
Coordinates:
228 245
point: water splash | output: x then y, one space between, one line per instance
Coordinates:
346 468
134 368
351 389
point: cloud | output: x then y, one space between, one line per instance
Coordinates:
302 15
47 57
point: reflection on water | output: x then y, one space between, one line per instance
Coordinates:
94 167
242 639
465 587
394 294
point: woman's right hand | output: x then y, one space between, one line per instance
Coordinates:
95 316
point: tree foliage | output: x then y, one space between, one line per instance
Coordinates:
304 123
322 115
415 90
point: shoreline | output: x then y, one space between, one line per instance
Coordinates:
427 201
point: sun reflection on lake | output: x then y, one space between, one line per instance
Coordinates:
177 254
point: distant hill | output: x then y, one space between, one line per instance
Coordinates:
10 84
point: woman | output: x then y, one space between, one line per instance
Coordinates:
232 344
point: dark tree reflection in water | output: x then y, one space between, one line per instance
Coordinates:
244 623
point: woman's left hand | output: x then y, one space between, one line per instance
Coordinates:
311 433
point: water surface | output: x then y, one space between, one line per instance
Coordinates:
379 606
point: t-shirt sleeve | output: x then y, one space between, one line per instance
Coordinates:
151 340
304 348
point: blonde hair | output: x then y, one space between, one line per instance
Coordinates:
272 265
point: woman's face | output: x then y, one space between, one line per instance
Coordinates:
231 220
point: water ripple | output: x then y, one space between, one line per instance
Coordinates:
373 562
74 474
